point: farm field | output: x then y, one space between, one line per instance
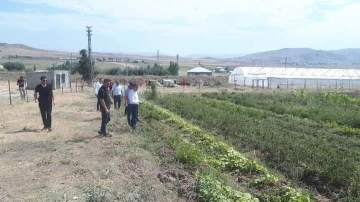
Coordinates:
307 152
72 163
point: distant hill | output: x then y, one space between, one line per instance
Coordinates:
306 55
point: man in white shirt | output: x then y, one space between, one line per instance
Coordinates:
133 105
96 87
117 93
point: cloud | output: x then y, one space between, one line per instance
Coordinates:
304 22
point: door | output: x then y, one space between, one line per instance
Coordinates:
58 81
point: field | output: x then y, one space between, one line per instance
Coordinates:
199 145
310 140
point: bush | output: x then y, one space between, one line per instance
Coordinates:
153 94
113 71
14 66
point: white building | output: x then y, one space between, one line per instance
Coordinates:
271 77
199 71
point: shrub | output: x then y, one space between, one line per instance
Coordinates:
14 66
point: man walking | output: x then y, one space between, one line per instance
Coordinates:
96 87
117 92
105 102
133 105
21 84
126 101
45 99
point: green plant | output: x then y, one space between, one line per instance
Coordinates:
14 66
188 153
95 194
289 144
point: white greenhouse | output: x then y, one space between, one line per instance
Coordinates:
282 77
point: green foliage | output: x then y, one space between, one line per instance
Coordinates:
153 94
155 70
288 195
14 66
188 153
62 66
212 189
301 149
190 142
173 69
83 67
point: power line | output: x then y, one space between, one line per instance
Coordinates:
89 50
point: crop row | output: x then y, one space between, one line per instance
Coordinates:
303 150
334 109
217 154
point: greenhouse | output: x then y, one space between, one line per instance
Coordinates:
282 77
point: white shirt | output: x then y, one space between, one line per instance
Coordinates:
133 97
116 90
96 87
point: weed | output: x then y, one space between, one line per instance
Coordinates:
96 194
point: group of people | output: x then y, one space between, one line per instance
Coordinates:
44 96
104 91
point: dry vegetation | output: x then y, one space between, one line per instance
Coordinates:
72 163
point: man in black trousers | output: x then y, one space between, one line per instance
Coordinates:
105 102
45 99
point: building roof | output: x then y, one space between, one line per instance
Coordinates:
199 70
291 72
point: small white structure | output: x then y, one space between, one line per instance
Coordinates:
199 71
220 69
272 77
58 79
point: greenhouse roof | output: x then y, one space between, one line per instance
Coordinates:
291 72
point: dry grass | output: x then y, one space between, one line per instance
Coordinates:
72 162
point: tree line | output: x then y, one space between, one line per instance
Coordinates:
83 68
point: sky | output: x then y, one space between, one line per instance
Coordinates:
183 27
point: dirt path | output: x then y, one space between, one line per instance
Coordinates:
72 163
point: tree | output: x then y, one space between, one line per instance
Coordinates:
173 69
84 67
63 66
14 66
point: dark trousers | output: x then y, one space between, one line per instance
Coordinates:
105 119
117 101
133 111
98 105
45 111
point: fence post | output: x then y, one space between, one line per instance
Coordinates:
9 92
27 96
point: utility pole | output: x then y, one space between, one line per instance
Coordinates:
89 50
177 58
285 61
71 59
127 74
157 57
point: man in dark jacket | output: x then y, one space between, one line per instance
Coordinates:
45 99
105 102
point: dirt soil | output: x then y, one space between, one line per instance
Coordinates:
72 163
